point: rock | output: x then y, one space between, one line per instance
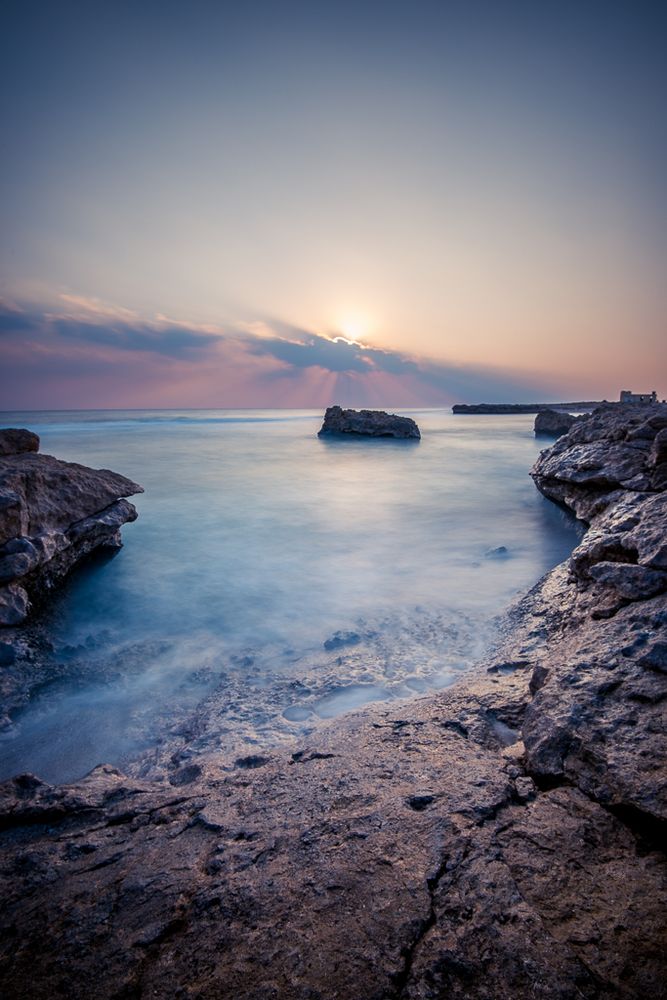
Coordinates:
52 514
340 639
613 448
499 552
553 423
15 441
14 604
502 838
42 493
633 583
525 789
401 859
584 723
369 423
595 470
655 658
658 453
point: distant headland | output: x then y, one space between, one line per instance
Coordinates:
626 396
524 407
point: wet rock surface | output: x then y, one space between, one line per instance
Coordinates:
52 515
205 699
369 423
500 839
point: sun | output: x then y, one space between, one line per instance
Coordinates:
354 326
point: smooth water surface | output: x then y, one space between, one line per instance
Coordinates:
257 542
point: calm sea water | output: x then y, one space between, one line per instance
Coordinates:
274 579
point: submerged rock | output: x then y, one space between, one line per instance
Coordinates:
339 639
370 423
52 515
553 423
498 552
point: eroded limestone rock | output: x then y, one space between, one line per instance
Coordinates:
368 423
553 423
16 440
598 717
614 448
52 514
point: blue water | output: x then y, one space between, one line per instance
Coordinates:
256 543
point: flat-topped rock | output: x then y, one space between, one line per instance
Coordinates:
553 423
15 440
369 423
52 514
40 493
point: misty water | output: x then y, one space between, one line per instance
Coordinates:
275 579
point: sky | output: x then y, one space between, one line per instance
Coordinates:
295 204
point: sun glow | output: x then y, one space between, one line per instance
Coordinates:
354 327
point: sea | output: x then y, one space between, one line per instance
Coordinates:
275 579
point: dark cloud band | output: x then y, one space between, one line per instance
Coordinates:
289 353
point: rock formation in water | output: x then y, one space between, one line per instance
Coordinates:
501 839
52 515
369 423
553 423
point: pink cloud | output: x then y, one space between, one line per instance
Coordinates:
97 355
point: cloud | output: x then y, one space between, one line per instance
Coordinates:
99 308
112 329
301 349
95 354
13 319
316 351
334 353
172 341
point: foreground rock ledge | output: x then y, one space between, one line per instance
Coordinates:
368 423
52 515
502 839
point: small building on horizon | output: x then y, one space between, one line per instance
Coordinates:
627 396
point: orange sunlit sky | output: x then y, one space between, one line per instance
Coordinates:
299 204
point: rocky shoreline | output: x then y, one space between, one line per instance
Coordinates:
553 423
53 514
503 838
